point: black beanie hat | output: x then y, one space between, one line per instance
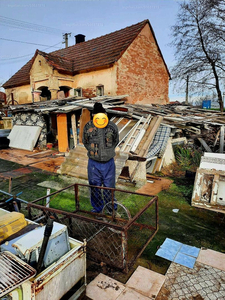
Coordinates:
98 108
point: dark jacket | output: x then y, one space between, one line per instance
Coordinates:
100 142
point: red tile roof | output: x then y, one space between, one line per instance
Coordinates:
86 56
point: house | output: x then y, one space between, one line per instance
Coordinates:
127 61
2 99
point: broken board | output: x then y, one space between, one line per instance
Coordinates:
24 137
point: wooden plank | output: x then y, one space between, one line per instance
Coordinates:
143 152
85 117
216 139
63 141
74 129
221 139
204 144
153 127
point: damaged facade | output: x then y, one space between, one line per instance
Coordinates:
128 61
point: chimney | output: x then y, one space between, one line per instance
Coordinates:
79 38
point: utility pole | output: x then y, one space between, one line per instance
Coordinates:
186 100
65 37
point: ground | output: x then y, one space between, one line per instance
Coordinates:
177 219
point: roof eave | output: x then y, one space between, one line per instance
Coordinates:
5 86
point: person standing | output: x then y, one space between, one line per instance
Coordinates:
100 138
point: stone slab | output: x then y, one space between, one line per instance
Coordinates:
130 294
104 288
146 282
212 258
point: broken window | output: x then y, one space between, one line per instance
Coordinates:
78 92
45 93
221 189
66 90
100 90
207 188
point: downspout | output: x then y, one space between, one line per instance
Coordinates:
47 234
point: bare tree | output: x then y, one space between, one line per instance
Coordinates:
199 41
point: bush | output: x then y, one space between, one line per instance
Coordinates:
187 158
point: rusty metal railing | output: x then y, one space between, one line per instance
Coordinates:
117 235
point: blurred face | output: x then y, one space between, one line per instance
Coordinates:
100 120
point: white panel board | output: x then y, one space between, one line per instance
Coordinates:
24 137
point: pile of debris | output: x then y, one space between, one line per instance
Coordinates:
147 132
147 136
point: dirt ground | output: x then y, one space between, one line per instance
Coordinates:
155 185
51 160
48 160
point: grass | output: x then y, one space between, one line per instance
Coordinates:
191 226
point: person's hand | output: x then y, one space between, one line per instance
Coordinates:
117 149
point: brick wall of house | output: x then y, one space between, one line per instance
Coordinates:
89 92
141 72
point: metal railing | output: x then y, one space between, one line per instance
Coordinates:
117 235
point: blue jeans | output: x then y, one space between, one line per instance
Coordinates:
101 174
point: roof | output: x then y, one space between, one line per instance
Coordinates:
97 53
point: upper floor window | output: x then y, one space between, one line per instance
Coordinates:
100 90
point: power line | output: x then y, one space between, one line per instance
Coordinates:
28 26
27 42
27 55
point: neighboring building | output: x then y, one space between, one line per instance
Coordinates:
127 61
2 102
2 97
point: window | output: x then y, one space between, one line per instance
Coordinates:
100 90
78 92
66 91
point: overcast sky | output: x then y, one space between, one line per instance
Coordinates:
27 25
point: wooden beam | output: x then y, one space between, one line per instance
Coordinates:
221 139
63 141
85 117
74 129
204 144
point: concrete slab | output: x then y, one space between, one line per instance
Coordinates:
104 288
24 137
212 258
130 294
146 282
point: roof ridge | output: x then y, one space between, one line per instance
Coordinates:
144 22
50 54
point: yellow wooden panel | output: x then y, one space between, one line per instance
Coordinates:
63 144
